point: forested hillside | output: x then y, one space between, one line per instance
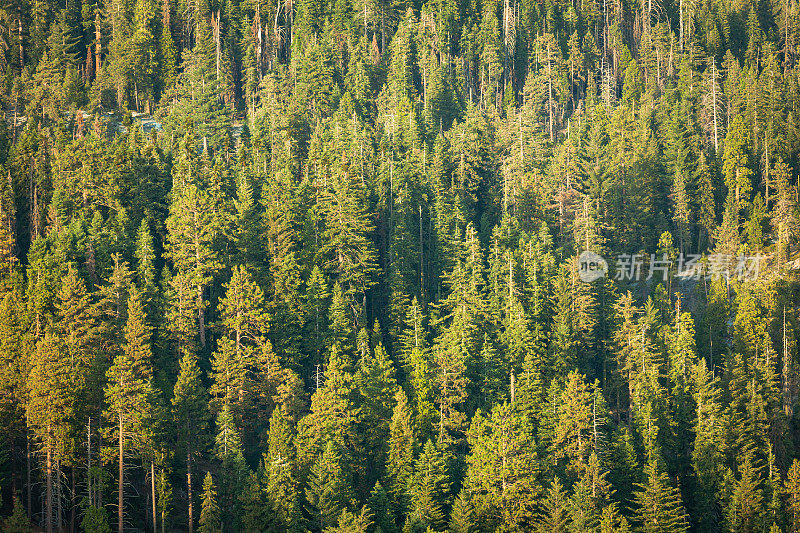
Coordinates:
337 286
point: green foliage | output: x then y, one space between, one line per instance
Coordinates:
18 521
210 515
349 231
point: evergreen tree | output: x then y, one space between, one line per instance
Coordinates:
191 227
18 521
554 516
210 515
189 407
328 491
129 394
400 461
430 487
658 505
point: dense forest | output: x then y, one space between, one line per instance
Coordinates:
314 265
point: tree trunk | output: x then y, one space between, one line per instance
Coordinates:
48 507
98 501
189 488
21 48
73 503
550 97
120 486
714 104
58 495
766 169
215 26
201 322
89 461
786 49
153 492
28 470
97 43
421 262
383 28
259 43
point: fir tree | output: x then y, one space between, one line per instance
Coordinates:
658 505
210 515
129 394
430 486
189 407
400 461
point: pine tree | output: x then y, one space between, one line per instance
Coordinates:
571 438
245 324
418 367
380 509
346 251
430 486
49 409
234 468
129 394
745 506
145 267
334 413
658 505
502 467
709 445
550 78
18 521
352 523
377 385
77 326
461 515
189 406
784 220
400 461
282 484
554 516
791 490
210 515
191 227
256 512
735 162
164 492
328 491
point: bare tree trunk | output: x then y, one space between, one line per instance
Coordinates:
215 26
786 48
28 470
189 488
120 483
550 104
21 48
201 322
48 506
259 42
97 43
163 515
73 503
89 461
99 492
766 169
421 262
153 492
59 499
